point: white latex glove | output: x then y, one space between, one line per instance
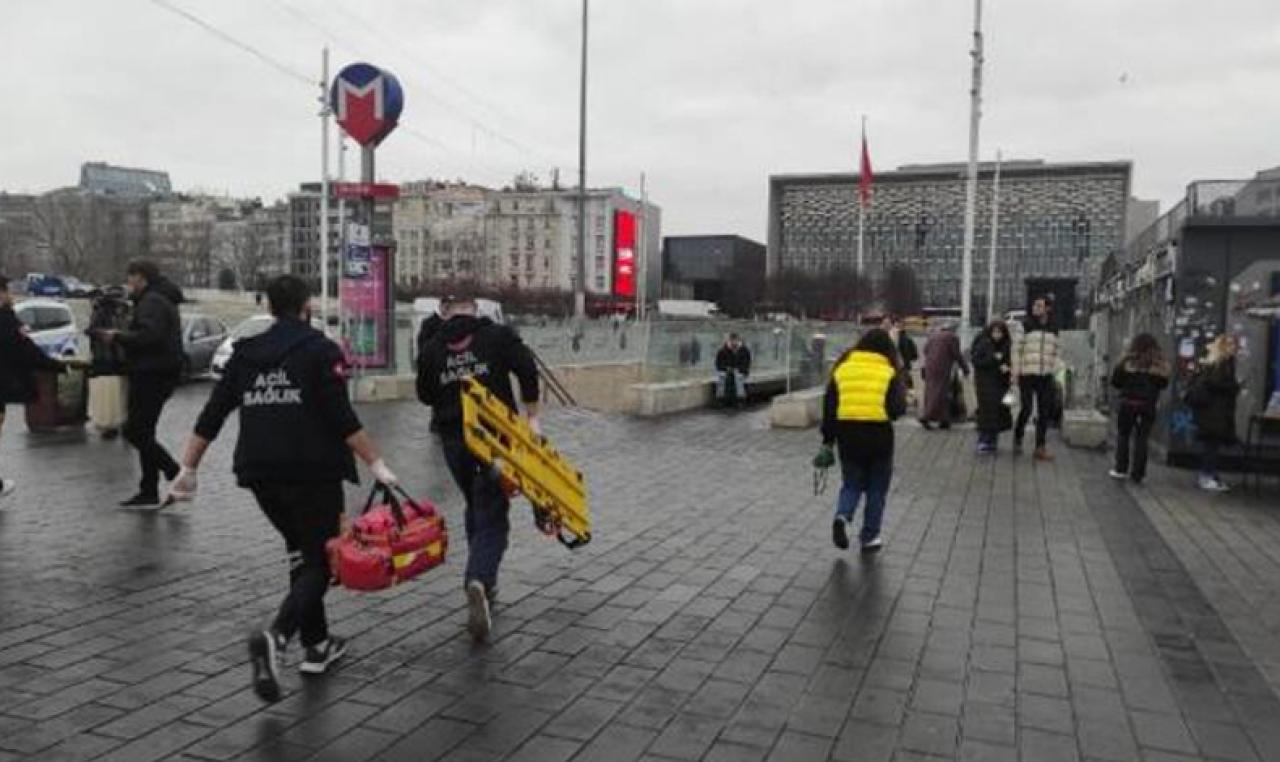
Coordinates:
383 474
184 486
535 425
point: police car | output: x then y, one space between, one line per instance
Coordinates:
50 324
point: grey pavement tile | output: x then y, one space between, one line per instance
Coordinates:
992 723
936 734
1041 746
1222 741
617 743
865 742
1162 731
800 747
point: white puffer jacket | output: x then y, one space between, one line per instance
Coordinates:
1037 353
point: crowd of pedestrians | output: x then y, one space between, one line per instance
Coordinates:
868 389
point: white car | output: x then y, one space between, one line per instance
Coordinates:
249 327
50 324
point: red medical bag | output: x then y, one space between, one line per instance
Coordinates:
392 541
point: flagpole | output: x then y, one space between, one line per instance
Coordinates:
995 239
862 206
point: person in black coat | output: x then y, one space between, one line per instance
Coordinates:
1139 378
990 354
733 365
154 358
19 359
297 435
1212 396
469 346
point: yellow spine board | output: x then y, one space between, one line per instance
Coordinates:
498 437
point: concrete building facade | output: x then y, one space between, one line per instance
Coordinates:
1057 222
522 238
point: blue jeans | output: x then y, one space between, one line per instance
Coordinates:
487 518
739 384
870 477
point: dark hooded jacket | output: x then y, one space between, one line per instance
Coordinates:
19 359
1213 394
990 382
153 340
290 384
468 346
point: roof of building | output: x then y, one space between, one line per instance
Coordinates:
100 177
951 170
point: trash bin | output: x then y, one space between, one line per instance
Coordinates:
60 402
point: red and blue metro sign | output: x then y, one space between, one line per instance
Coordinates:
367 101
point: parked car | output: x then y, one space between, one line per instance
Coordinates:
78 289
250 326
50 324
46 285
202 336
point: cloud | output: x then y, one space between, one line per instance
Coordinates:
707 97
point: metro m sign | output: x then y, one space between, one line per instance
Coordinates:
367 102
624 252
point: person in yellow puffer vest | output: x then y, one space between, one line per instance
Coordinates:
865 394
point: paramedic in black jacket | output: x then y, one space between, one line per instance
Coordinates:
19 359
297 433
153 357
476 347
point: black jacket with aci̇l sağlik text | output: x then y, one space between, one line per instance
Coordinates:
290 385
473 347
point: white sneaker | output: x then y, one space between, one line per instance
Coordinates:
478 619
1114 474
7 486
1211 484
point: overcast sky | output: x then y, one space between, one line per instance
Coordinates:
708 97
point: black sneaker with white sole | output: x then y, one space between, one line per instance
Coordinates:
321 656
872 546
264 657
141 500
840 533
479 622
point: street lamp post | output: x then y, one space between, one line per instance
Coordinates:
580 293
971 188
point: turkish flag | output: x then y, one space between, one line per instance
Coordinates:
864 174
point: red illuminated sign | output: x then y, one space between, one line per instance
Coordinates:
364 190
624 252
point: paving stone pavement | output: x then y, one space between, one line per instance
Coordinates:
1019 611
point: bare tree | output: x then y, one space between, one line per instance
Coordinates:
64 228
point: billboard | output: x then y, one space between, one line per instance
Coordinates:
365 300
624 254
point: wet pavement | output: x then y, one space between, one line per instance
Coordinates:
1018 611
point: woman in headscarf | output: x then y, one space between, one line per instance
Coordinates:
991 375
942 355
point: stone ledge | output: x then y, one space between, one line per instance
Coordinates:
1085 429
798 410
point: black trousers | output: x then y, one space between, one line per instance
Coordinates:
147 394
306 516
1133 426
1037 390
